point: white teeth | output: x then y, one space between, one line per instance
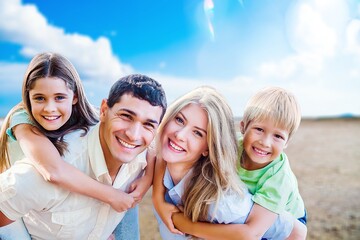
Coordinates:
125 144
51 118
176 147
259 151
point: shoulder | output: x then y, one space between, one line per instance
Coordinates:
21 178
231 208
18 117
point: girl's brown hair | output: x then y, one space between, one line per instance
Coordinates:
49 65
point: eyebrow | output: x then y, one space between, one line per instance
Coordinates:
134 114
60 93
203 130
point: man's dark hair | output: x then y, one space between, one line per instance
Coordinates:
141 87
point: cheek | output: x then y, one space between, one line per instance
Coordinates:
34 109
148 136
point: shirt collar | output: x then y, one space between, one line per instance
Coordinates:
96 154
175 191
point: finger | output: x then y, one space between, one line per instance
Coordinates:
176 231
132 187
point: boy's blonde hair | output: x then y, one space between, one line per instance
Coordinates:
276 104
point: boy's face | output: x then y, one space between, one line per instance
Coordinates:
127 128
263 142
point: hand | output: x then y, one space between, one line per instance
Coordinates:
139 187
179 219
121 201
166 213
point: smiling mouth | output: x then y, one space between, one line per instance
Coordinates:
175 147
260 151
51 118
126 145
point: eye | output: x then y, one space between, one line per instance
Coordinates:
149 125
124 116
38 99
59 98
259 129
278 136
179 120
198 133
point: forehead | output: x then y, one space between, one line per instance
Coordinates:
140 108
195 114
270 123
48 83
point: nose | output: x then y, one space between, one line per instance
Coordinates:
265 140
50 106
181 134
134 131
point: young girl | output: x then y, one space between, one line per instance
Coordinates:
54 103
197 140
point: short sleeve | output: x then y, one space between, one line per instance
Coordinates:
19 117
274 193
18 194
282 227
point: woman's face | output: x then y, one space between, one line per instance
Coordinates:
184 138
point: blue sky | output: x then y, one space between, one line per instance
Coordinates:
311 47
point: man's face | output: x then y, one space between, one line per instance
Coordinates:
127 128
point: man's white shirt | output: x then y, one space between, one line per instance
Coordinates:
50 212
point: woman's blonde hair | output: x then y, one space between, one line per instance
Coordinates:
276 104
83 113
214 174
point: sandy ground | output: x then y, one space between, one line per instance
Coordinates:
325 157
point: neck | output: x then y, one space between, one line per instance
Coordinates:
112 164
250 165
113 169
178 171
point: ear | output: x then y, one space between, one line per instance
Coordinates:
206 153
242 127
75 99
103 109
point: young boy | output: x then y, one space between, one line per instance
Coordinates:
271 118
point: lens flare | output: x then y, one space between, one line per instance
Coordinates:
209 13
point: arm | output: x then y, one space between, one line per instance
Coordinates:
258 222
140 186
209 230
164 209
54 169
299 231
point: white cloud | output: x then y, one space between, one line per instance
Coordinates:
353 37
309 31
323 72
11 76
26 26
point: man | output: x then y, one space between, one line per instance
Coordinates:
129 119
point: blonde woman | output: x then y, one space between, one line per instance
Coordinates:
196 170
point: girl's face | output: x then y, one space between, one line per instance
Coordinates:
184 138
51 102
